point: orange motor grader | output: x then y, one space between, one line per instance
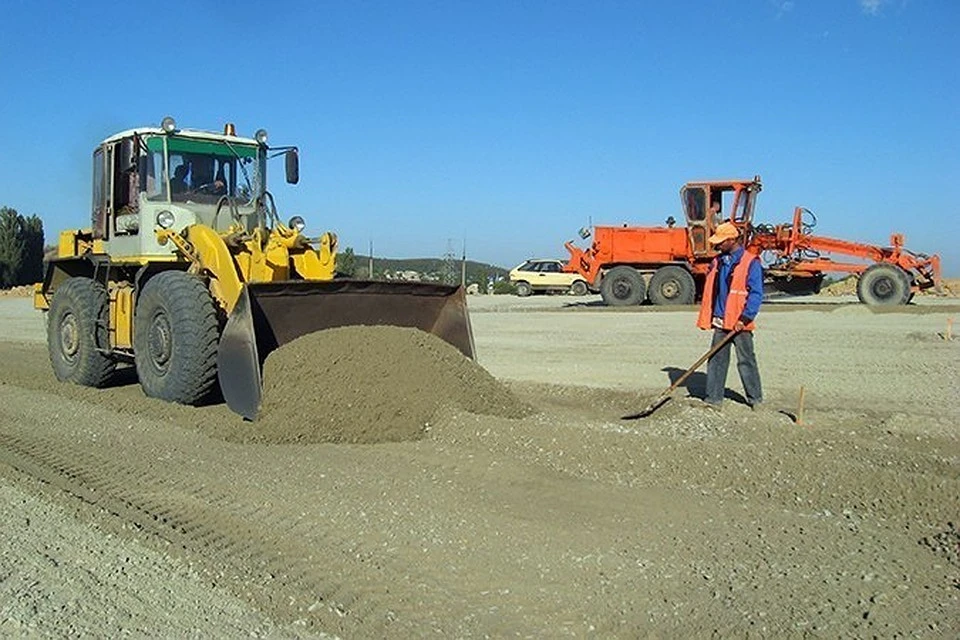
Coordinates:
668 264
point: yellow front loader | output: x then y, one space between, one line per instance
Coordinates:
188 274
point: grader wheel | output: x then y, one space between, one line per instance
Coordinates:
884 285
623 286
672 285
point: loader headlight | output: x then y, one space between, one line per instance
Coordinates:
261 136
165 219
297 224
168 124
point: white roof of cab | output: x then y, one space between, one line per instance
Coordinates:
187 133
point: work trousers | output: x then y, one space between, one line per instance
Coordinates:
719 363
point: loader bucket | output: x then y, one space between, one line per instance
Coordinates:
271 314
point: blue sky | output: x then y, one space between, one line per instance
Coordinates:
509 124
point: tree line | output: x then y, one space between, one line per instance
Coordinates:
21 248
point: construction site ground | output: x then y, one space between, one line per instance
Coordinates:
397 490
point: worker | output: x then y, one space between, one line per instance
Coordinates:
732 295
714 215
179 182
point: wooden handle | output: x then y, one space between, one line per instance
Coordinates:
727 338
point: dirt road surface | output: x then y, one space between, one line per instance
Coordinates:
126 515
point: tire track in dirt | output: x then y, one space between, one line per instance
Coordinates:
244 546
629 530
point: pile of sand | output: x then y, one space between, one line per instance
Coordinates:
844 287
23 291
370 384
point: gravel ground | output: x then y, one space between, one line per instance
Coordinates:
129 516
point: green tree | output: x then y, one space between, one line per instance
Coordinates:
21 248
347 262
31 267
11 246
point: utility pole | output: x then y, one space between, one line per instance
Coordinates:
463 265
370 263
448 273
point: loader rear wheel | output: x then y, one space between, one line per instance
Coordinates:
672 285
175 338
884 284
77 328
622 286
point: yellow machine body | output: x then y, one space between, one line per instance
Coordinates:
267 282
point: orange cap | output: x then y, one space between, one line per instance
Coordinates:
725 231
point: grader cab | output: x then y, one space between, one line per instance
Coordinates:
188 273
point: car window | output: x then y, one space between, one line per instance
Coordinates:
551 267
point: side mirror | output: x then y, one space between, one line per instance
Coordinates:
292 162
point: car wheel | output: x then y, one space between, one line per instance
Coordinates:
524 289
579 288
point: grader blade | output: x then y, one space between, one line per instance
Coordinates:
268 315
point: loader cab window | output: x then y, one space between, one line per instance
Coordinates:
153 180
205 178
126 181
99 218
200 171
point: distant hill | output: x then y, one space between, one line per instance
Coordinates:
430 269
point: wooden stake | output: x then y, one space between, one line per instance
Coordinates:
800 407
949 335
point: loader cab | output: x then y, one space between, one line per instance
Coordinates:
707 204
149 178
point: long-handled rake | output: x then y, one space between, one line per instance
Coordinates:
663 397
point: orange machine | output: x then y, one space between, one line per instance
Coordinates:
668 264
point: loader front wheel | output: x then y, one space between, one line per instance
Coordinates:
622 286
77 327
672 285
883 284
175 338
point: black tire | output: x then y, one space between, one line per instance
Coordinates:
579 288
175 338
524 289
884 285
623 286
672 284
77 328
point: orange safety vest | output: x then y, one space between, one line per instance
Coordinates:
736 298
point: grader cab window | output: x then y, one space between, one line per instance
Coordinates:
695 203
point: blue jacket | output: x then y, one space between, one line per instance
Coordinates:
754 285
